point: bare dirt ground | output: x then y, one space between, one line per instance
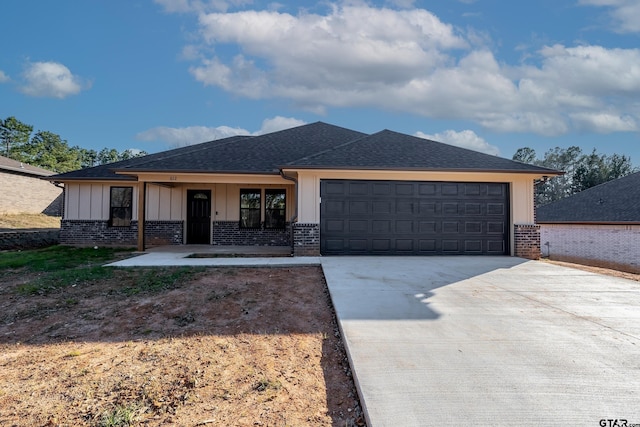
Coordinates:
229 347
599 270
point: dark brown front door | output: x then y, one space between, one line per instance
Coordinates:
198 217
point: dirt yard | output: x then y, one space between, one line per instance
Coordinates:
228 347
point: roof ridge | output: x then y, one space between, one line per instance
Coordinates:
344 144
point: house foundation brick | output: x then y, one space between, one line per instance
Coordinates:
229 233
162 233
527 241
99 233
306 239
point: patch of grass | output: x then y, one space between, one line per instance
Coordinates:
64 278
120 416
151 280
56 258
266 384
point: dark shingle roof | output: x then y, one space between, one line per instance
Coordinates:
257 154
393 150
107 171
613 201
316 145
22 168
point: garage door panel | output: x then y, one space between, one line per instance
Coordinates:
449 189
495 209
404 227
449 245
381 226
473 246
358 188
449 227
495 227
495 247
358 208
404 207
410 217
450 208
358 226
334 225
382 207
473 227
427 227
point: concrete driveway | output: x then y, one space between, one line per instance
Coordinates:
488 341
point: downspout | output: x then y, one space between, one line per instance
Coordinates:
64 202
294 218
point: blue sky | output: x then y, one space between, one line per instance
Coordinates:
484 74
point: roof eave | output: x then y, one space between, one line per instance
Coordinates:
590 222
124 172
416 169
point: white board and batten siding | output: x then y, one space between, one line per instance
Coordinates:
91 201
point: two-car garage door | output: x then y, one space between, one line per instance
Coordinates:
413 218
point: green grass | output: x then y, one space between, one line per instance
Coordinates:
120 416
63 266
59 279
56 258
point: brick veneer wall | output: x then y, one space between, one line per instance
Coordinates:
227 233
161 233
306 239
527 241
614 246
98 232
27 194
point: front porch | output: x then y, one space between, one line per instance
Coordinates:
231 251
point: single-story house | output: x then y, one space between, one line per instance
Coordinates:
321 189
599 226
23 190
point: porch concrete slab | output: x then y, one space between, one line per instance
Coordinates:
172 259
487 341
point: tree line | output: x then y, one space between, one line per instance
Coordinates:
582 170
48 150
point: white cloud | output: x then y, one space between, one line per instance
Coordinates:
189 135
410 61
465 139
279 123
624 13
179 137
3 77
405 4
605 122
184 6
50 79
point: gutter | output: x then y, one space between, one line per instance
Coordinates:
294 218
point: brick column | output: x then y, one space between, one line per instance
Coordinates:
527 241
306 239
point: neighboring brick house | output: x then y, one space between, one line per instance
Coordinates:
319 188
24 190
599 226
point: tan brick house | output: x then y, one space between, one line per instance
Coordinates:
24 191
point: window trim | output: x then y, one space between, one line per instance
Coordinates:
128 218
257 191
283 210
